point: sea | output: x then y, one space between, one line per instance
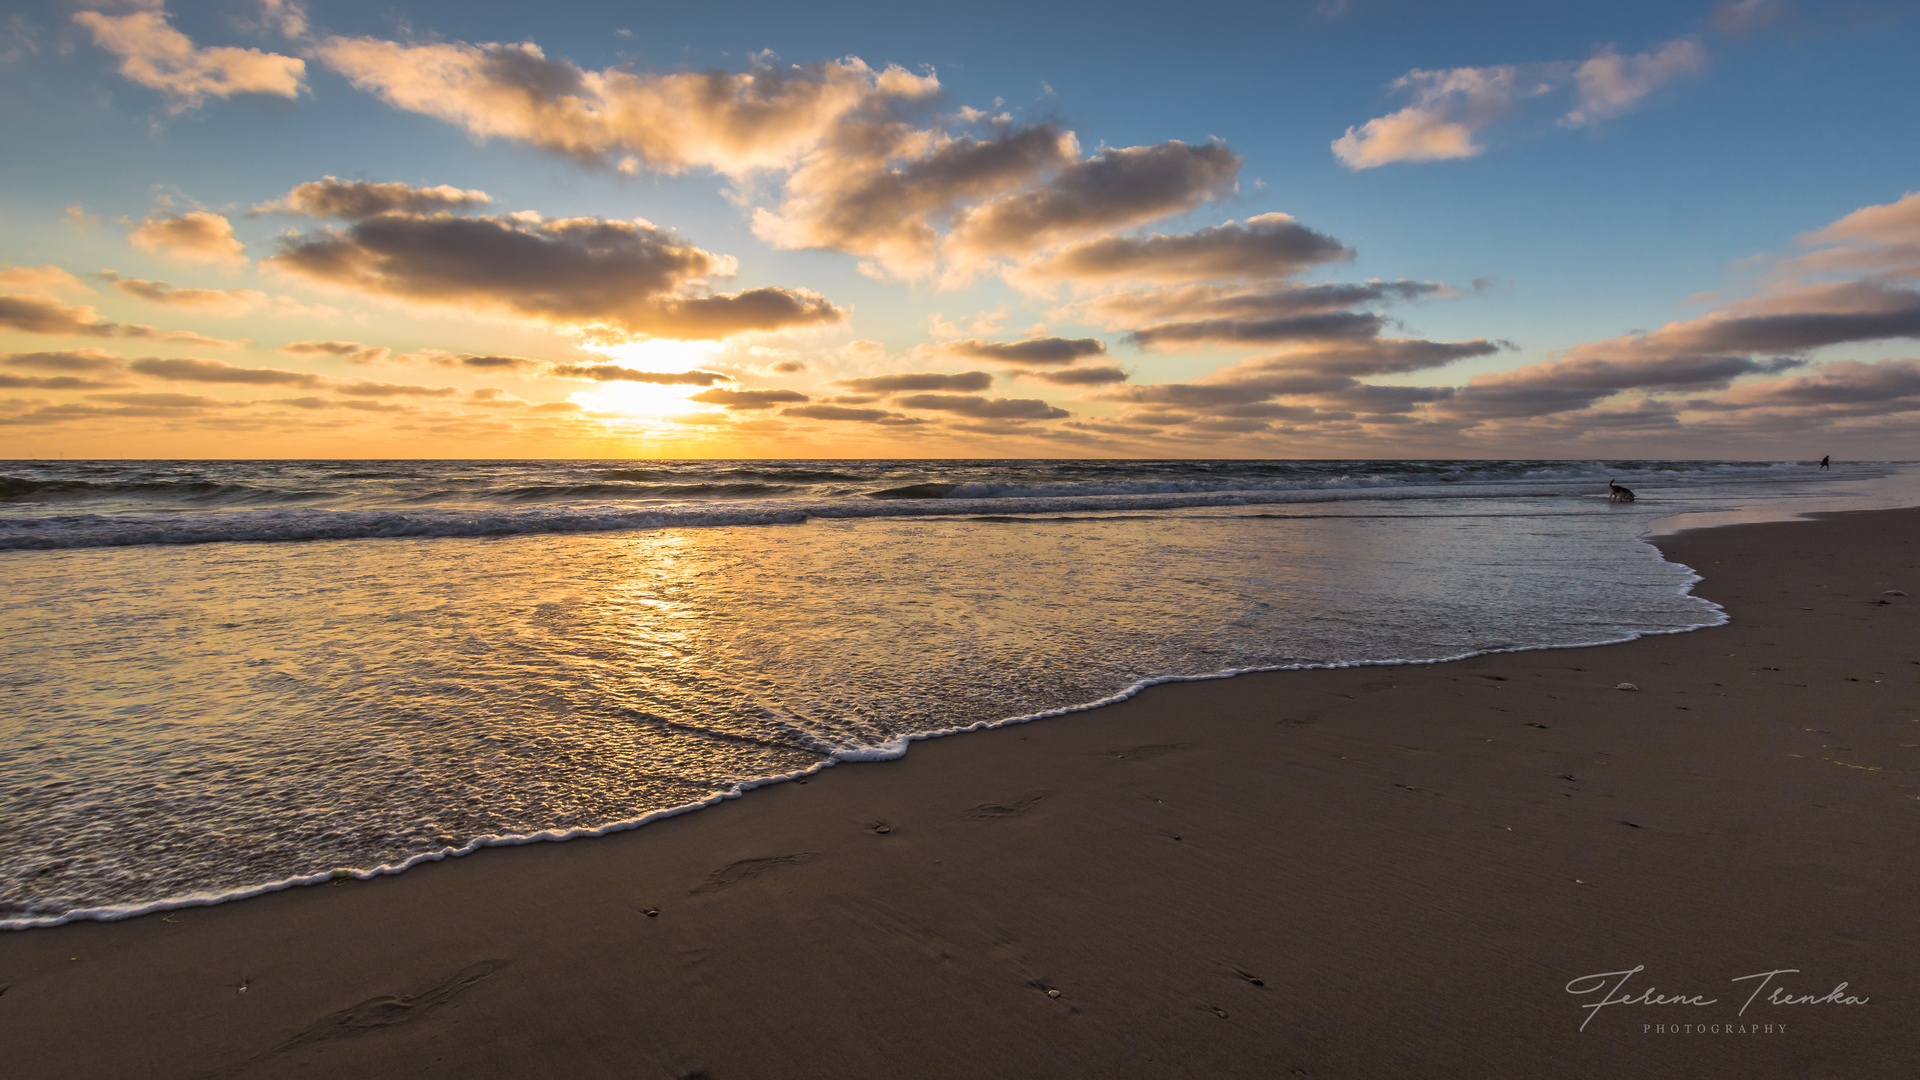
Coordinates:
221 678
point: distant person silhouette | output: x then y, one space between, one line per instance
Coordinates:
1826 461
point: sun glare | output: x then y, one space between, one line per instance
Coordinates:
645 400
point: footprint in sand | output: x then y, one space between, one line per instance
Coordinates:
988 811
1142 753
736 872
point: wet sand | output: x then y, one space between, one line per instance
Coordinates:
1369 872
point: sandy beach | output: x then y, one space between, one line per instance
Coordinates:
1352 873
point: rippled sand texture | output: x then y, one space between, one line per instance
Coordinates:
191 721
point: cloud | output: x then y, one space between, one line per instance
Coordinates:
618 278
49 278
858 200
154 54
1880 241
54 382
1267 246
1032 352
367 388
616 373
1199 302
197 236
353 200
1766 335
164 401
839 412
351 351
45 315
1845 386
919 380
214 371
747 399
1610 84
70 360
864 165
1450 107
1115 188
1740 16
982 408
763 118
78 219
491 362
1078 376
229 303
1334 326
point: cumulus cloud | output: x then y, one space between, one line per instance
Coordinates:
1042 351
983 408
1266 246
215 371
763 118
864 164
618 278
154 54
1115 188
616 373
197 236
1450 107
867 201
919 380
353 200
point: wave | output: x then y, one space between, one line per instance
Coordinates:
293 525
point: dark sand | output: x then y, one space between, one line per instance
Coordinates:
1361 873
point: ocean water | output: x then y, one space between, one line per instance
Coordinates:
221 678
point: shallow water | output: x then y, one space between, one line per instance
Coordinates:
193 720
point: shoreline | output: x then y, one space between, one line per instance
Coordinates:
891 751
1374 910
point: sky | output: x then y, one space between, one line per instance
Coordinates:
1317 229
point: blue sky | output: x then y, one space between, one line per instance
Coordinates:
1549 187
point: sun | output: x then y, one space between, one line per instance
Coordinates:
644 400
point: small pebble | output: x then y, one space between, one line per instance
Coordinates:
1626 686
653 912
1053 993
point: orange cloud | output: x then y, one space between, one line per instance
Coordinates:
197 236
154 54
